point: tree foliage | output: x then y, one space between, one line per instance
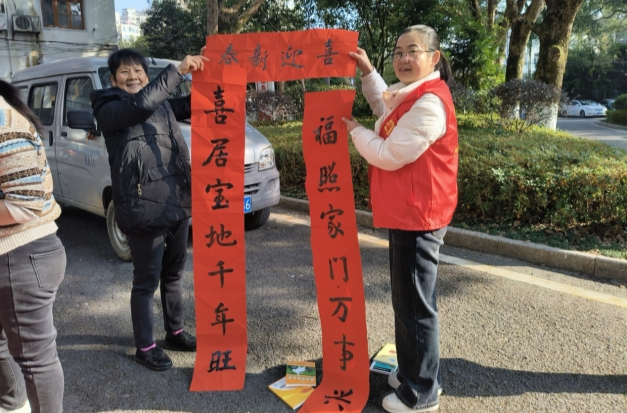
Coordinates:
172 31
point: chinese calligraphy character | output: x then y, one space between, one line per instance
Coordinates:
347 355
340 397
219 198
221 271
221 317
287 55
221 156
220 237
333 227
219 109
327 176
344 267
259 58
229 56
329 137
328 52
342 305
216 357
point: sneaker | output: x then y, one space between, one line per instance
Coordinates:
24 409
181 341
155 359
392 404
394 382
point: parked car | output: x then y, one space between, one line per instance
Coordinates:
608 103
78 158
583 108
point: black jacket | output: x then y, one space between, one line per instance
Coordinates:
149 159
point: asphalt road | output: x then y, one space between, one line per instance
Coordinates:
590 128
506 345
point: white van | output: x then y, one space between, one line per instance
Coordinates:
78 158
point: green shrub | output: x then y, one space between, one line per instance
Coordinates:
617 116
621 102
538 177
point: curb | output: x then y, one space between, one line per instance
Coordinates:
610 125
592 265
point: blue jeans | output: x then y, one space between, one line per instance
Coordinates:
414 257
29 365
158 261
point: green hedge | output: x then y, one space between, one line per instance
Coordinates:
617 116
540 176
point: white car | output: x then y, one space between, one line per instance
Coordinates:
583 108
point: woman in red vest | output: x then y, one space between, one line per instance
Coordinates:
413 191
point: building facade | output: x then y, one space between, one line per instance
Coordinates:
128 24
33 32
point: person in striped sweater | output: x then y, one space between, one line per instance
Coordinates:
32 264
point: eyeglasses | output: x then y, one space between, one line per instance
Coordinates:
410 54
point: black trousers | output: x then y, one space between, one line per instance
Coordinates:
158 261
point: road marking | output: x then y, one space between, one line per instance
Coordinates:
489 269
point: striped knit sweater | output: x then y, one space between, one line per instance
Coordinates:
25 180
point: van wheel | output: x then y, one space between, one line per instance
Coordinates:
116 237
256 219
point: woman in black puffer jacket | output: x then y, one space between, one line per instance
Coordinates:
150 177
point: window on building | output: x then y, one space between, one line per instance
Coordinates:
41 101
2 9
63 13
77 95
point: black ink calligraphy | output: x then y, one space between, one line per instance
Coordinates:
344 267
221 272
228 58
328 52
219 108
218 151
340 396
217 357
333 227
221 317
347 355
220 200
220 237
341 305
291 54
258 57
330 135
328 177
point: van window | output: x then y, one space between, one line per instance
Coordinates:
42 101
182 90
77 95
23 91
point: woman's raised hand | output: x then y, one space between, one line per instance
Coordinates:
363 63
191 63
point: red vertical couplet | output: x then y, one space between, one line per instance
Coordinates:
336 258
218 139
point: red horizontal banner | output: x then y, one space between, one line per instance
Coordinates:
283 56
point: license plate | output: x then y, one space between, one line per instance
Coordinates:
248 204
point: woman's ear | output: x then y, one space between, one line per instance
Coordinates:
435 57
112 79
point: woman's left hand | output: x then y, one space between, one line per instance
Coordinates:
351 124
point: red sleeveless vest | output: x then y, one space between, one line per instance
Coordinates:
422 195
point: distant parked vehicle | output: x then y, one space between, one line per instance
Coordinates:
583 108
608 103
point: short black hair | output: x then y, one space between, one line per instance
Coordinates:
127 57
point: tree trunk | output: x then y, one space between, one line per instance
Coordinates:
212 17
521 27
554 33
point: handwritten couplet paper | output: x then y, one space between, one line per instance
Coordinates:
218 139
336 258
280 56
